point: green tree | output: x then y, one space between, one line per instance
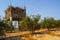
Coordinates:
36 18
57 23
48 23
30 23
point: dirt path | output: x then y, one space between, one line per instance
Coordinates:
38 36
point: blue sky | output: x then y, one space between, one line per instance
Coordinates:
46 8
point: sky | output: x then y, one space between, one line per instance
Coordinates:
46 8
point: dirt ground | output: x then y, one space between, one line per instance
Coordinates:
40 37
53 35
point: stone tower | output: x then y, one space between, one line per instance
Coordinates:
15 14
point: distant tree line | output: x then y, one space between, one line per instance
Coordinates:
34 22
29 23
